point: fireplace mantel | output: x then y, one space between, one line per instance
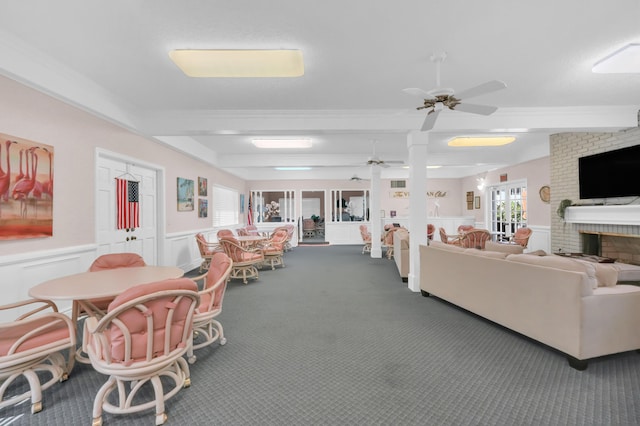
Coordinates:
605 215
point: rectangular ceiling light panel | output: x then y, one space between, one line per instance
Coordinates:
624 60
282 143
239 63
481 141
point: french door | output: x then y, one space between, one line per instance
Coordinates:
508 208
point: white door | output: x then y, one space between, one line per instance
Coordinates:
142 240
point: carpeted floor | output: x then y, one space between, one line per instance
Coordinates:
336 338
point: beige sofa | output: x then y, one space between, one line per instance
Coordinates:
401 252
575 307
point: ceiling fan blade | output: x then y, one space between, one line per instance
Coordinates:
430 120
488 87
476 109
414 91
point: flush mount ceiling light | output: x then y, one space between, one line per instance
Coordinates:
624 60
481 141
281 143
292 168
239 63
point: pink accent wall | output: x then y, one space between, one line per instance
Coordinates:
75 135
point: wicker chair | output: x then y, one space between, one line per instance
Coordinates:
206 329
521 237
142 339
366 239
31 346
449 239
245 261
476 238
207 251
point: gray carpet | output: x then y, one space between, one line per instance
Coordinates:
336 338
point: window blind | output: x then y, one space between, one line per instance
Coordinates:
226 204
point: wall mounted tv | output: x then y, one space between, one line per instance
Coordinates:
610 174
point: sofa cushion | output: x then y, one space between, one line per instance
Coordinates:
627 272
503 247
559 262
606 273
486 253
445 246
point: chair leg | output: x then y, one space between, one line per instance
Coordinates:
161 416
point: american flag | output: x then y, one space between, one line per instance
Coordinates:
128 206
249 213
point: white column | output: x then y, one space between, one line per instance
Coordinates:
417 144
374 213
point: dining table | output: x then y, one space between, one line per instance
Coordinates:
250 240
83 287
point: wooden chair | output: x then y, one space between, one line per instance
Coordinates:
448 239
205 326
476 238
521 237
31 347
142 339
207 251
245 261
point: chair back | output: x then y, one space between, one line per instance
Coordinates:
365 234
521 236
232 248
431 229
443 235
476 238
145 322
223 233
116 260
215 283
308 225
252 230
278 239
464 228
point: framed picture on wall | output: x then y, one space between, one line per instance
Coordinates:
185 194
202 186
477 202
203 207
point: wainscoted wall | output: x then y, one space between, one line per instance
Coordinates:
565 150
22 271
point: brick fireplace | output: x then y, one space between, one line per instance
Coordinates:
623 248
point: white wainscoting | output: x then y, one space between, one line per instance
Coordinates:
540 238
21 272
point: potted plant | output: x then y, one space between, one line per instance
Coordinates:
315 218
563 206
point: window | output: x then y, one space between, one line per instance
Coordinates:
226 204
398 184
349 205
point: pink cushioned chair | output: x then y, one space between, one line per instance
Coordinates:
214 285
521 237
140 340
245 261
448 239
476 238
30 346
366 239
431 229
273 248
207 250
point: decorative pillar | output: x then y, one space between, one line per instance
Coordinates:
374 213
417 144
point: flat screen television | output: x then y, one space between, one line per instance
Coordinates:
610 174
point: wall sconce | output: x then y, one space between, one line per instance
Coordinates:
481 183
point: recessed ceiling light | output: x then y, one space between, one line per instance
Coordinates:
428 167
481 141
239 63
281 143
624 60
292 168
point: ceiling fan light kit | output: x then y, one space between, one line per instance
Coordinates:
437 99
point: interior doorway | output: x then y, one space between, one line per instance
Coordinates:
313 217
144 239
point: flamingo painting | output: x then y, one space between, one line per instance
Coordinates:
26 190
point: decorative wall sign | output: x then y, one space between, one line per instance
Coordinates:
26 188
203 207
436 194
185 194
202 186
399 194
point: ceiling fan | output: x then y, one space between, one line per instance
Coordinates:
374 160
435 100
356 178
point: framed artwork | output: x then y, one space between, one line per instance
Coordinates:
504 177
203 207
185 194
470 200
477 202
392 213
202 186
241 203
26 179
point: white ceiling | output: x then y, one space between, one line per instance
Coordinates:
111 58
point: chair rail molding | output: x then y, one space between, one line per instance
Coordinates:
605 215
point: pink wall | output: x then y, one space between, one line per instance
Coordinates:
536 173
75 135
